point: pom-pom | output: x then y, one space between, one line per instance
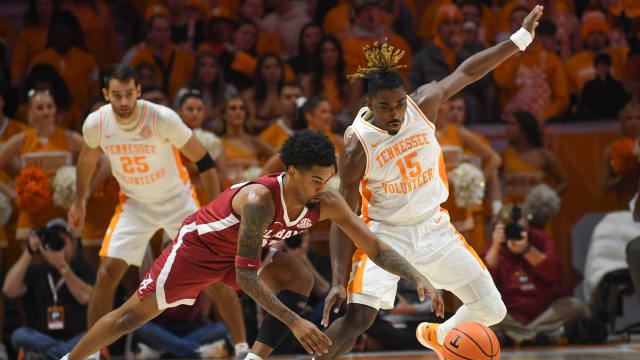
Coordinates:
541 204
5 209
209 141
34 192
468 185
64 187
624 157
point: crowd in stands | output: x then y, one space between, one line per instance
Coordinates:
247 74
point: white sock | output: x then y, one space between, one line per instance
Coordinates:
66 357
94 356
241 346
252 356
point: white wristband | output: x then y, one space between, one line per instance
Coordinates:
496 206
522 38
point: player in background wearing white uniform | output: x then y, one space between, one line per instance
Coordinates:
143 142
393 171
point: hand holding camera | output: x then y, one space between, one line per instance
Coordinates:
49 243
515 235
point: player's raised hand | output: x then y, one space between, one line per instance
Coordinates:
336 296
425 288
530 23
76 214
311 338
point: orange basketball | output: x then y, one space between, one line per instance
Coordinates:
471 341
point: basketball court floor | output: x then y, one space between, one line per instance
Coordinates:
629 351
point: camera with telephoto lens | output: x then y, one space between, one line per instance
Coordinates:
50 238
513 230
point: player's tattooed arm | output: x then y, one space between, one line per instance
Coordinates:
256 215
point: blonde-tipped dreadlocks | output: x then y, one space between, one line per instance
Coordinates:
380 57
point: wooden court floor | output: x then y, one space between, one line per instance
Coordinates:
607 352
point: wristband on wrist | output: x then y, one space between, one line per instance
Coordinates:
522 38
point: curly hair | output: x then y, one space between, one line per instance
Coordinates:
307 148
381 72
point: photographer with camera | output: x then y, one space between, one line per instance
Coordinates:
54 292
526 269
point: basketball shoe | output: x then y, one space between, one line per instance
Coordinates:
427 336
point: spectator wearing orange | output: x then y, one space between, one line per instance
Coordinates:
32 39
329 80
245 152
186 23
310 37
533 80
45 77
173 66
46 147
525 162
624 186
262 97
218 30
580 67
444 54
208 79
567 24
286 21
66 52
239 57
278 132
98 29
426 29
369 29
268 41
339 20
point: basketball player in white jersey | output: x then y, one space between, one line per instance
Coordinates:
393 172
143 142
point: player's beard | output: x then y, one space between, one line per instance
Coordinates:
125 114
312 205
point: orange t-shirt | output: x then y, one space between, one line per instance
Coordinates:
48 157
7 130
338 19
78 69
276 134
30 42
180 72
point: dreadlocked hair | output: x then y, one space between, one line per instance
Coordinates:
381 71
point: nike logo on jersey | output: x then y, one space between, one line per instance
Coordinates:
109 136
376 143
251 265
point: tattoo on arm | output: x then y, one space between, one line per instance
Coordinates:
391 261
255 220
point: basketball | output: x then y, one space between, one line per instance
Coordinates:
471 340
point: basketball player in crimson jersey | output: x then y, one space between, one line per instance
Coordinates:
143 142
229 241
393 172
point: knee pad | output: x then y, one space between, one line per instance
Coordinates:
490 309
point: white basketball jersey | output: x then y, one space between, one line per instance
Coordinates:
405 179
147 168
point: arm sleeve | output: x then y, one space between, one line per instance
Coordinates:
170 128
91 130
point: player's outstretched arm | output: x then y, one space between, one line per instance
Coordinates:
195 152
256 208
429 96
351 170
378 251
86 166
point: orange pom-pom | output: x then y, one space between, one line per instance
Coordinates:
34 191
624 159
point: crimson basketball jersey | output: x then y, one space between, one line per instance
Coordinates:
218 224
